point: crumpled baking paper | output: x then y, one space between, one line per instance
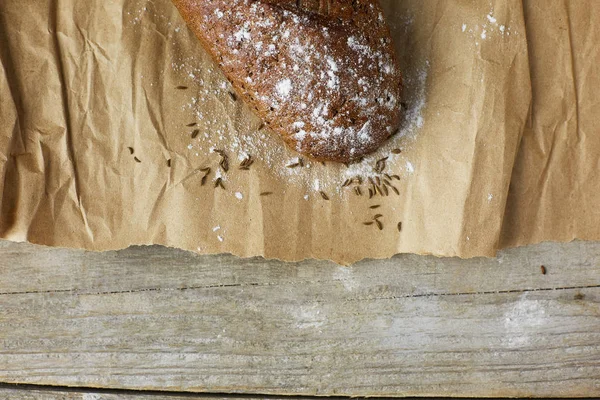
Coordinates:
95 151
555 189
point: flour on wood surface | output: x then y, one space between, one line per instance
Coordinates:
523 320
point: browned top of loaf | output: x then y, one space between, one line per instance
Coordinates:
321 73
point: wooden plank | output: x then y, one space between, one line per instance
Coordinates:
160 319
30 268
48 393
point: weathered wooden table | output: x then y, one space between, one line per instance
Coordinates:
157 319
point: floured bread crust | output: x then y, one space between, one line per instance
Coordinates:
321 73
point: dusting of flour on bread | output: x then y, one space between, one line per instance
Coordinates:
326 80
232 126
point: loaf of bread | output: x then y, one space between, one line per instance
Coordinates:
321 73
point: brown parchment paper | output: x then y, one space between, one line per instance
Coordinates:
555 190
82 82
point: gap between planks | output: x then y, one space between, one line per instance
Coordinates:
241 285
29 391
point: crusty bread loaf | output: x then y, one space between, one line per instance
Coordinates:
321 73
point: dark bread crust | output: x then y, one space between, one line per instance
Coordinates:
321 73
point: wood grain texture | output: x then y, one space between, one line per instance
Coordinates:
46 393
160 319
